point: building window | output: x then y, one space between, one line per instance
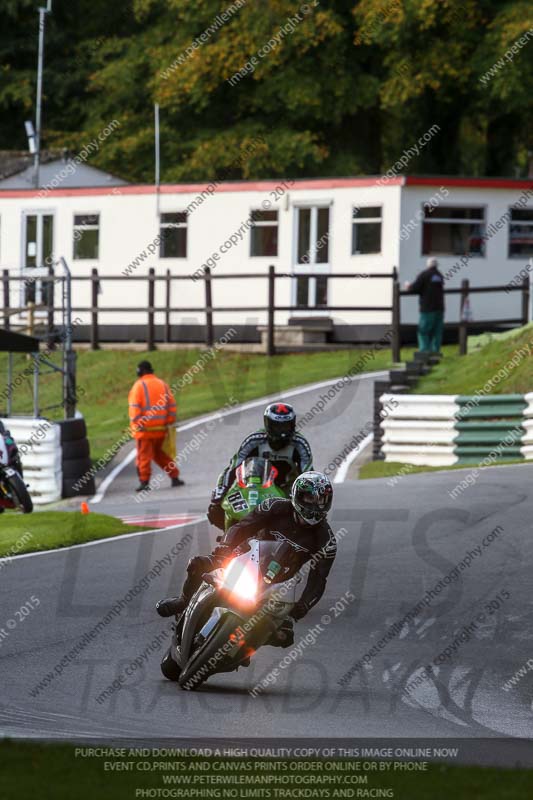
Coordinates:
453 231
264 241
86 235
366 230
521 232
173 235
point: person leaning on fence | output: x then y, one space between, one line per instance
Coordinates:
429 286
152 412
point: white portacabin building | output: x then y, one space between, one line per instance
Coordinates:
478 228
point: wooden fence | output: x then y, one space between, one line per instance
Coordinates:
269 308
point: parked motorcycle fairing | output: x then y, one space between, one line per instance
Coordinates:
13 491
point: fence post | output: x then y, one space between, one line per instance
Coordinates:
5 283
271 347
396 345
463 326
31 318
525 299
209 335
9 399
95 345
35 384
70 389
50 298
150 338
167 306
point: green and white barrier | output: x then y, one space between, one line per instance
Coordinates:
441 430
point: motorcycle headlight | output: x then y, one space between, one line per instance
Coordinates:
240 581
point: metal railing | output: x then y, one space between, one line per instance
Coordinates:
47 331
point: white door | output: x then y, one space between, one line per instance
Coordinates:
311 257
37 255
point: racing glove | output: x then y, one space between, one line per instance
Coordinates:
215 515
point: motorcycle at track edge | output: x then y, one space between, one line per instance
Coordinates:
237 609
13 491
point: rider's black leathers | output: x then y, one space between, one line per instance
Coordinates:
275 514
290 460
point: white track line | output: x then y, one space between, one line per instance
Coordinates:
120 537
106 483
340 475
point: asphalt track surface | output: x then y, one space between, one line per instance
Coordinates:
396 542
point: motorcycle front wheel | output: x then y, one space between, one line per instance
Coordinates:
197 670
169 668
18 491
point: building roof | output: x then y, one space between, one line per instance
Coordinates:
58 171
101 188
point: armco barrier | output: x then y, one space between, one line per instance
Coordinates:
39 444
441 430
527 439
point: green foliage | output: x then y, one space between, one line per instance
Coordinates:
345 89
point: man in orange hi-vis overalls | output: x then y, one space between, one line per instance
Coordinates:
152 409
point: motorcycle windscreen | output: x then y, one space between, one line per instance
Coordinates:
241 578
255 471
265 566
279 571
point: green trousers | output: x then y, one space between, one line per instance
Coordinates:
430 328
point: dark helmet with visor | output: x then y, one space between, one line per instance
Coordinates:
312 496
280 424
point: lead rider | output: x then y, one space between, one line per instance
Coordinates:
302 520
278 442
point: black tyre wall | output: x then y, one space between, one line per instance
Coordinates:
78 479
72 489
76 449
72 430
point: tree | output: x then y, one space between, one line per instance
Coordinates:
331 87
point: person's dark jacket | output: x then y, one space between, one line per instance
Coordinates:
429 285
318 541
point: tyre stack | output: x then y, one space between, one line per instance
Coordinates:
76 458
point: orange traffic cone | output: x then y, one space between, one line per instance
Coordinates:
84 508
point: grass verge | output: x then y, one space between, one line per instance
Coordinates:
388 469
105 378
52 772
457 374
47 530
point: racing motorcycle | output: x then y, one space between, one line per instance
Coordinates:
254 482
13 490
237 609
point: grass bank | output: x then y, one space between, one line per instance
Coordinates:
47 530
457 374
477 371
105 377
388 469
